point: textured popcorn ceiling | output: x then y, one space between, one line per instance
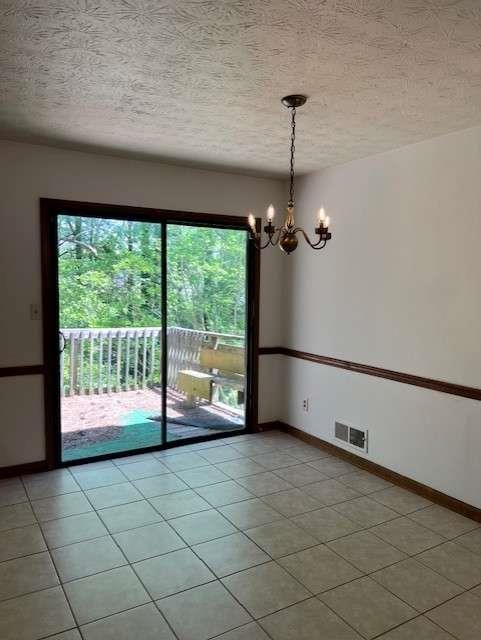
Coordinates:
199 81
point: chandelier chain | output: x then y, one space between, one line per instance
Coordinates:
293 151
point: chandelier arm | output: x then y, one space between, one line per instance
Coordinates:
257 238
320 244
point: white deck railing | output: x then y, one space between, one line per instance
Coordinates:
110 360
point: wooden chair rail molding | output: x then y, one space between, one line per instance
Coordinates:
473 393
438 497
26 370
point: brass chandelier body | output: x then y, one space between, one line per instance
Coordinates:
285 236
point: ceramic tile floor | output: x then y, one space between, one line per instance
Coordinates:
246 538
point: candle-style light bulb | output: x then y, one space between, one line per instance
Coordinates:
252 221
327 222
321 215
270 213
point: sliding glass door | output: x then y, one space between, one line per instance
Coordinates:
150 337
110 313
206 332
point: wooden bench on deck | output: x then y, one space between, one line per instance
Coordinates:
223 366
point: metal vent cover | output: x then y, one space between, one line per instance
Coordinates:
350 437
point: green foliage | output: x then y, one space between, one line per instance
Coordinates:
109 275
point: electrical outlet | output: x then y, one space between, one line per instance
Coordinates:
305 405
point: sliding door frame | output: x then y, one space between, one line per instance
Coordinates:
50 209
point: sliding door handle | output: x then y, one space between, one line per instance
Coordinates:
63 342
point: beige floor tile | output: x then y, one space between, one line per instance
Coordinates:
418 629
365 511
144 469
35 616
63 531
11 492
180 503
50 483
159 485
250 513
306 452
326 524
308 620
27 574
202 526
265 589
332 467
203 612
145 622
255 447
477 591
230 554
104 594
173 572
61 506
22 541
113 495
147 542
220 454
364 482
201 476
416 584
263 483
319 568
471 541
223 493
455 563
73 634
240 467
275 460
129 516
400 500
300 474
250 631
329 492
141 457
184 461
292 502
16 515
368 607
281 538
86 466
98 477
366 552
407 535
445 522
460 616
86 558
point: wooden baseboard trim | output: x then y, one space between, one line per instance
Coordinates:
438 497
474 393
269 426
23 469
27 370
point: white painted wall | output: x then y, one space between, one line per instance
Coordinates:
28 172
398 287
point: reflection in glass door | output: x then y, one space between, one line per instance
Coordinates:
206 330
109 289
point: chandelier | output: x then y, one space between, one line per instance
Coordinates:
286 235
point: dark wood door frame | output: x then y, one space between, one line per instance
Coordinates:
49 211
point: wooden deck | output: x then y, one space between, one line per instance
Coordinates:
108 423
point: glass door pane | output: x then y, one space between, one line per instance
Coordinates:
109 284
206 330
